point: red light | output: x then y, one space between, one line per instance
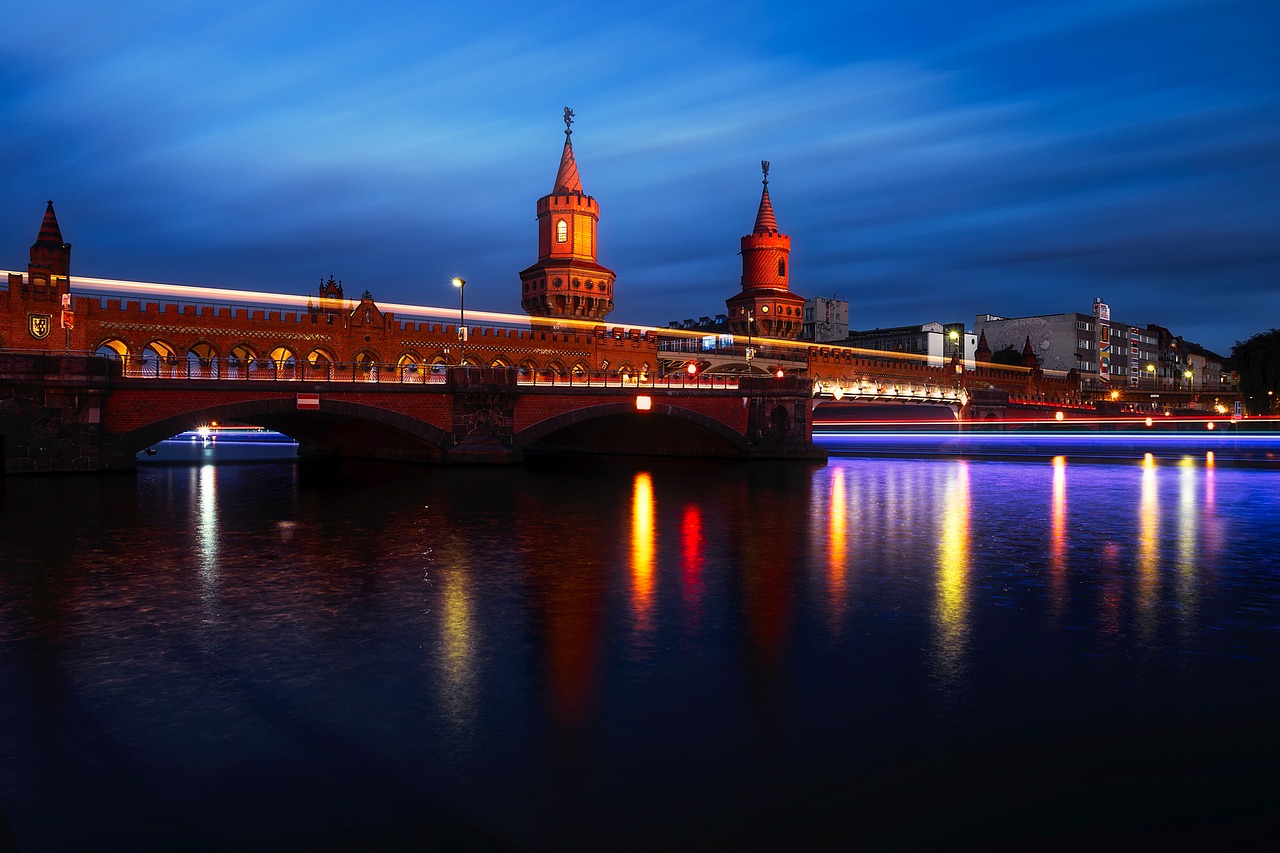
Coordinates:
779 373
692 368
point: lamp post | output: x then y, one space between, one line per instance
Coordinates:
1187 374
1151 369
462 320
751 350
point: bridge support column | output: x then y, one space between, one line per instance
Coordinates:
985 410
780 419
484 405
51 413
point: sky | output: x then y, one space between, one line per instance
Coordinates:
930 160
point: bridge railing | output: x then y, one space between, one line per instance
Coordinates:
265 369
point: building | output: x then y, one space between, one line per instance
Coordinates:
1105 353
935 343
567 281
825 320
765 306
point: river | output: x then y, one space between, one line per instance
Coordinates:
625 654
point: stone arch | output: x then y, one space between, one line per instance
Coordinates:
779 421
556 367
283 362
319 356
365 364
279 413
579 368
160 358
540 430
242 361
112 348
410 366
500 361
202 360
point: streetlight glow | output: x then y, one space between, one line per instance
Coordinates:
461 284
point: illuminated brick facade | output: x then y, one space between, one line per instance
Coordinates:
766 306
567 281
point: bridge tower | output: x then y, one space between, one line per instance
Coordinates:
50 263
567 281
766 306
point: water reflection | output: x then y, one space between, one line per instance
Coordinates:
205 491
643 535
1148 580
1058 538
692 560
1187 556
837 551
457 637
605 645
952 605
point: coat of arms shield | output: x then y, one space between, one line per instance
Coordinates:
39 325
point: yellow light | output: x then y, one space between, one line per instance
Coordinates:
1115 395
1208 425
643 403
1148 421
457 282
1057 416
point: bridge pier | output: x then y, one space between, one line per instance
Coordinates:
484 407
51 415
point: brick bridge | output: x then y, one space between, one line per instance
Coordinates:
81 413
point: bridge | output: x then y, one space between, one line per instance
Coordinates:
81 412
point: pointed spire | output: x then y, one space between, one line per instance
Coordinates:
983 352
567 181
49 231
765 221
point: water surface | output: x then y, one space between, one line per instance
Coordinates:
623 654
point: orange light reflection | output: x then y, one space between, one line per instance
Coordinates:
642 536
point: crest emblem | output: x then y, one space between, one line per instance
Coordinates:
39 325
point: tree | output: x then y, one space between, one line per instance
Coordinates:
1258 360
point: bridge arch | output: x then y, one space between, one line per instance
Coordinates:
320 357
112 348
718 438
340 424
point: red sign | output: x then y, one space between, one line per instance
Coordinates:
68 319
309 401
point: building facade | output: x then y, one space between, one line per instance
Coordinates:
825 320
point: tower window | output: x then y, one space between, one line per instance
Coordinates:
782 267
562 231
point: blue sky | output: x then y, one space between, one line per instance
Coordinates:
930 160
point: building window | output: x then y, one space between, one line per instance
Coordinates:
782 267
562 231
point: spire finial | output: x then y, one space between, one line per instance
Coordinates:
568 120
764 167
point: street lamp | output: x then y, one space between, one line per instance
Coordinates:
751 350
1187 374
1151 368
955 343
462 321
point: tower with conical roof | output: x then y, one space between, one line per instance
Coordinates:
50 263
567 281
766 306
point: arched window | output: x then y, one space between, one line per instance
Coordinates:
562 231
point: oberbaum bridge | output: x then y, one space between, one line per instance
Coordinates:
87 381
